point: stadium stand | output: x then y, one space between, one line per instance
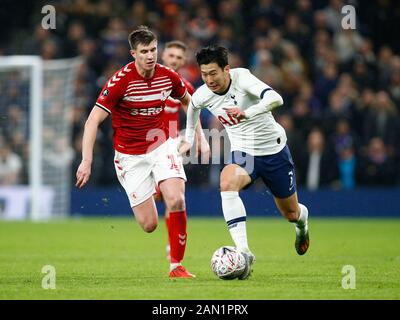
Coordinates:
341 87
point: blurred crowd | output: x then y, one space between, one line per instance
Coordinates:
341 87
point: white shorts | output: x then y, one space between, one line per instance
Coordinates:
140 174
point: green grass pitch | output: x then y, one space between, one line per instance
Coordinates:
107 258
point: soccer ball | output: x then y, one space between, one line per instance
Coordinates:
227 263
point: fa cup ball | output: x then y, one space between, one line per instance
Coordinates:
227 263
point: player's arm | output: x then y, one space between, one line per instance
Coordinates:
192 119
269 98
202 144
180 92
185 100
96 117
105 104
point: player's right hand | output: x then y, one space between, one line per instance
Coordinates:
235 112
183 147
83 173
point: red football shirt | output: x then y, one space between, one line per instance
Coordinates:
171 111
136 104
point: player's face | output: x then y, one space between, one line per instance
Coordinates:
216 78
173 58
145 56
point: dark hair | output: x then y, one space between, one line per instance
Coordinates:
142 35
211 54
176 44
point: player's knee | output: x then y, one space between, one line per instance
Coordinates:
228 185
176 202
291 215
149 226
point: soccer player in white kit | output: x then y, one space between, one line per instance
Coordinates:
243 104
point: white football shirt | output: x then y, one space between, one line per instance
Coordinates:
259 135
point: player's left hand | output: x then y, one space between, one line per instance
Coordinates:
235 112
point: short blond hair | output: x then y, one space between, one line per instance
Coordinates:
176 44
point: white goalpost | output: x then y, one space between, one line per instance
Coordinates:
43 91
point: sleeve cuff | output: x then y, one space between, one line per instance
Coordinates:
103 107
264 91
183 95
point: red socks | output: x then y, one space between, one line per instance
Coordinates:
176 225
167 224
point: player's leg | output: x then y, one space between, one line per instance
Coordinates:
233 179
296 213
158 197
146 215
177 140
279 175
170 177
173 191
134 174
167 225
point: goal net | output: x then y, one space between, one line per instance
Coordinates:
36 102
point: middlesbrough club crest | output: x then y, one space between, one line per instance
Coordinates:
164 95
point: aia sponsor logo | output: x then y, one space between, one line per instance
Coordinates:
231 121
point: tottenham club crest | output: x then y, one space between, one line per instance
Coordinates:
234 99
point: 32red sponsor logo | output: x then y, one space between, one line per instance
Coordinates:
146 111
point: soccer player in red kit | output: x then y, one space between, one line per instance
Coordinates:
174 57
145 156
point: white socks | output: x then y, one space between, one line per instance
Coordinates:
301 224
235 217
